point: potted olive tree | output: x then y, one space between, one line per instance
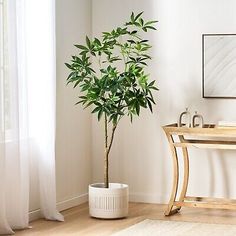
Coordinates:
117 86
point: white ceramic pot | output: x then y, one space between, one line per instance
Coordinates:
108 203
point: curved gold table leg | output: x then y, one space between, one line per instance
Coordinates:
170 210
186 171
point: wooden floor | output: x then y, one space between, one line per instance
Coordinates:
77 220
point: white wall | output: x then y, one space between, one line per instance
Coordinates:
141 156
73 123
73 131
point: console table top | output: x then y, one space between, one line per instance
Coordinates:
206 130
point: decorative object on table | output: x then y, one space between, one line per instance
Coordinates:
218 65
217 138
119 87
197 120
185 119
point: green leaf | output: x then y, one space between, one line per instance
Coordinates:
149 105
137 24
83 97
128 23
69 66
96 109
124 31
132 17
141 21
131 117
106 33
114 59
85 87
151 98
97 41
147 56
150 27
76 84
151 22
81 47
88 42
137 108
143 63
133 32
152 83
91 70
131 41
154 88
71 75
89 104
100 114
138 16
144 29
78 102
144 41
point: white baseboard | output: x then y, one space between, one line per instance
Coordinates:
148 198
34 215
61 206
75 201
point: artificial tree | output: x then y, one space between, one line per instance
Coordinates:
119 84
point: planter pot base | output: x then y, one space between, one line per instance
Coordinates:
108 203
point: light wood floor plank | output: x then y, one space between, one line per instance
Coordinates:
77 220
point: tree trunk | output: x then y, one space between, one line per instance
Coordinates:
106 174
107 151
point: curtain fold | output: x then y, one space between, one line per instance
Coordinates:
14 200
41 69
27 112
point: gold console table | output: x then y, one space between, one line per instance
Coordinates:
209 136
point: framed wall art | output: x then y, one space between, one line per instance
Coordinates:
219 65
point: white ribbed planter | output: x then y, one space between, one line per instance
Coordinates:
108 203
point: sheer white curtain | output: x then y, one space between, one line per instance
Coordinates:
27 109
